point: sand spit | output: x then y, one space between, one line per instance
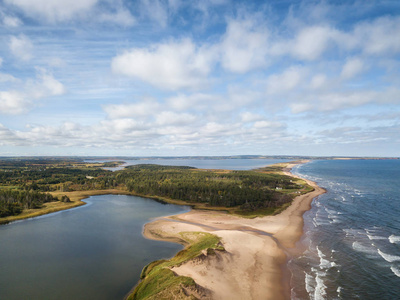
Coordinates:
257 250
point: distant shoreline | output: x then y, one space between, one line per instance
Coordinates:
254 265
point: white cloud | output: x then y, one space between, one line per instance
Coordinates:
250 117
155 10
13 102
18 101
318 81
332 100
379 36
311 42
352 67
7 78
198 101
10 21
173 118
121 17
170 66
286 81
45 85
54 10
267 124
244 46
7 137
141 109
21 47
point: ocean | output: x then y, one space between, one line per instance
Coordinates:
352 233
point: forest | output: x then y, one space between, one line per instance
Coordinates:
27 184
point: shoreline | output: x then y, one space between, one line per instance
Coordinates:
52 207
254 265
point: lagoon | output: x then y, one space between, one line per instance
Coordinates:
96 251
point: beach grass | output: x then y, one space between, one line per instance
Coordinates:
159 282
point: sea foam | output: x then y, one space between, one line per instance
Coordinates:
320 288
395 270
389 257
394 239
324 263
309 280
364 249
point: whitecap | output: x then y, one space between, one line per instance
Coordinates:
395 270
376 237
389 257
339 289
394 239
319 292
362 248
309 281
324 263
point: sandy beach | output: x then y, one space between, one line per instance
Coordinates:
254 265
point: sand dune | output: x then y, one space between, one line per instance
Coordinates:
254 263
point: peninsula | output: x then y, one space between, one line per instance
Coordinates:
250 260
243 228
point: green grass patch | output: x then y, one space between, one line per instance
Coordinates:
159 282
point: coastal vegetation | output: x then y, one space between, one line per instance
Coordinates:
158 281
30 184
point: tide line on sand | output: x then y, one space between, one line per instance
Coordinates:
254 265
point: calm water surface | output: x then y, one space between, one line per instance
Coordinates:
352 233
226 164
96 251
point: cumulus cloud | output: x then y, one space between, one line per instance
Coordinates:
8 137
332 100
377 37
250 117
311 42
142 109
22 100
21 47
13 102
285 81
44 85
173 118
174 65
318 81
244 46
352 67
10 21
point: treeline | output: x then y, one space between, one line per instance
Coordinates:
12 202
245 189
56 178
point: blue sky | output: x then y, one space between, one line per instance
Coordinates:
210 77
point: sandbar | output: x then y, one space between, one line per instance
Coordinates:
254 265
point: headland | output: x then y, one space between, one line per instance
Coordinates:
254 263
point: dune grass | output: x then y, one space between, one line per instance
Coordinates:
159 282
